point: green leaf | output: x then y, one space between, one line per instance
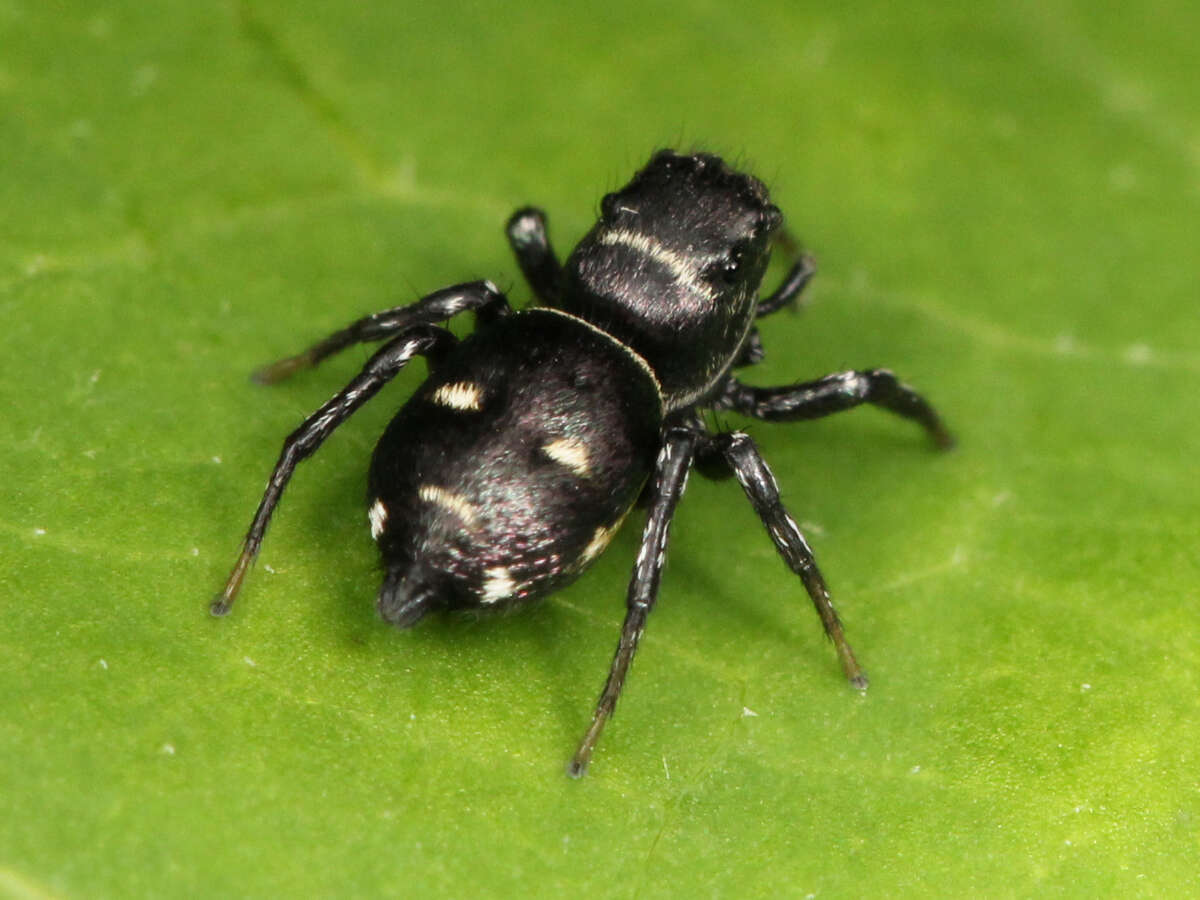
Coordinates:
1004 200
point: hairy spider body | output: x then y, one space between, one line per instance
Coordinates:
508 471
512 466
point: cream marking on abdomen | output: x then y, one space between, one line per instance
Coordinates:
461 395
378 515
450 501
571 453
498 586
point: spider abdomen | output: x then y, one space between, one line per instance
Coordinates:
507 472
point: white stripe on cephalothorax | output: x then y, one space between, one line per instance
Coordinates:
449 500
461 395
684 269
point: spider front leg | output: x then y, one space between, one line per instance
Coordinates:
831 394
787 294
741 456
794 283
752 351
670 478
424 340
481 296
530 242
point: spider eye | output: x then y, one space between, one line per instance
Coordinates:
608 205
773 218
730 268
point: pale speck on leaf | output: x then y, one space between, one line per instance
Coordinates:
1138 354
143 79
99 27
1122 178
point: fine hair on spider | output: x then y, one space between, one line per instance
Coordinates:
507 472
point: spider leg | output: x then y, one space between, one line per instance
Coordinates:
530 242
670 477
424 340
831 394
481 296
793 285
787 294
742 457
752 351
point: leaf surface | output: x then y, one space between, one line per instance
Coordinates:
1004 204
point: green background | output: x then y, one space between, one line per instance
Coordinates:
1005 205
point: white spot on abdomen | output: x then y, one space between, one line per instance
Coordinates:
448 500
600 539
498 585
596 545
378 515
571 453
461 395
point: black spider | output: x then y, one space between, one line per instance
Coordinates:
505 475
